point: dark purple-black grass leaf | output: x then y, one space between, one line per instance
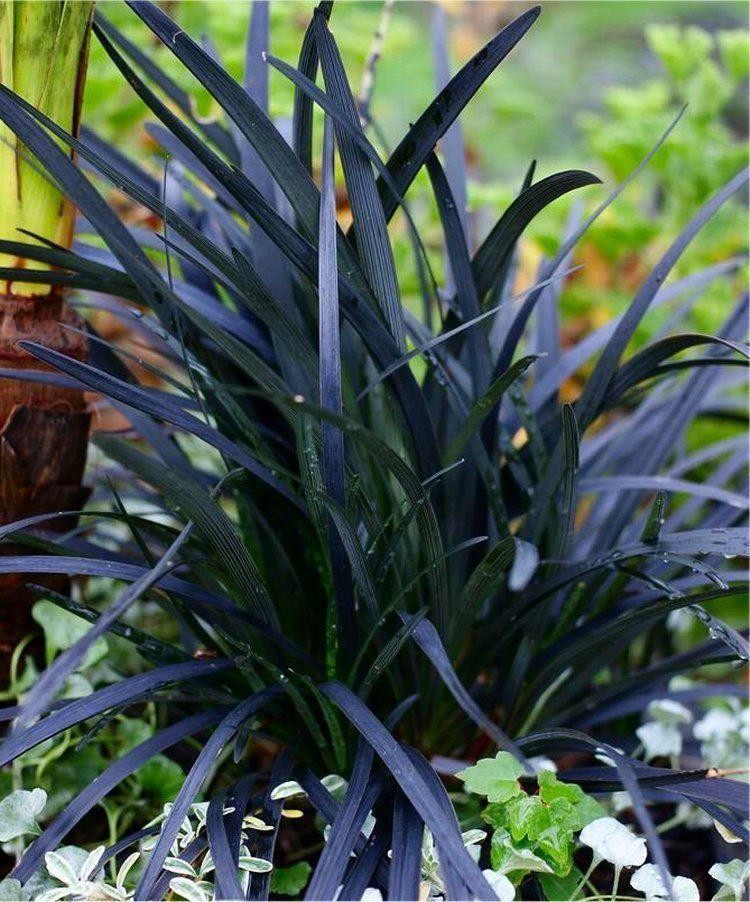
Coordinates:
39 697
391 649
329 376
636 701
204 762
146 402
271 814
430 343
412 784
241 799
646 362
104 783
79 710
302 116
225 865
467 299
571 442
360 874
345 827
149 647
452 143
406 860
577 647
354 131
455 886
693 542
368 220
419 142
681 409
663 484
358 310
596 386
118 160
255 75
213 130
208 605
651 679
239 571
548 382
131 839
631 786
490 259
427 638
293 245
191 853
254 124
484 404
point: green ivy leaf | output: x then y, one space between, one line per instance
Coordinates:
529 817
512 860
288 882
555 845
19 811
496 778
132 732
584 808
63 629
161 777
562 887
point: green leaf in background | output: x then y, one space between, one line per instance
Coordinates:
289 882
19 812
496 778
161 777
62 629
132 732
562 887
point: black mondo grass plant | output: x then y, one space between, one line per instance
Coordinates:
388 548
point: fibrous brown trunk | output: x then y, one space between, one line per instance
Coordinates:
43 442
43 427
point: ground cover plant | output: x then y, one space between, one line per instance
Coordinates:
426 618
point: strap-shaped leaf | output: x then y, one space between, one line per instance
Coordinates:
96 790
412 784
369 225
420 141
193 781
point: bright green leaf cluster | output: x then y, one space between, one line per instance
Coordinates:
533 832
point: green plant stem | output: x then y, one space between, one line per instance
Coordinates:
585 879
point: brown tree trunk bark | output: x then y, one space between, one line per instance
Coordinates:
43 428
43 443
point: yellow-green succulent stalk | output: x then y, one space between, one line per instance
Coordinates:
43 56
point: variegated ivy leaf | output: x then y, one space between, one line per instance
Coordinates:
255 865
733 877
184 888
507 858
179 866
287 790
61 869
255 823
10 890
